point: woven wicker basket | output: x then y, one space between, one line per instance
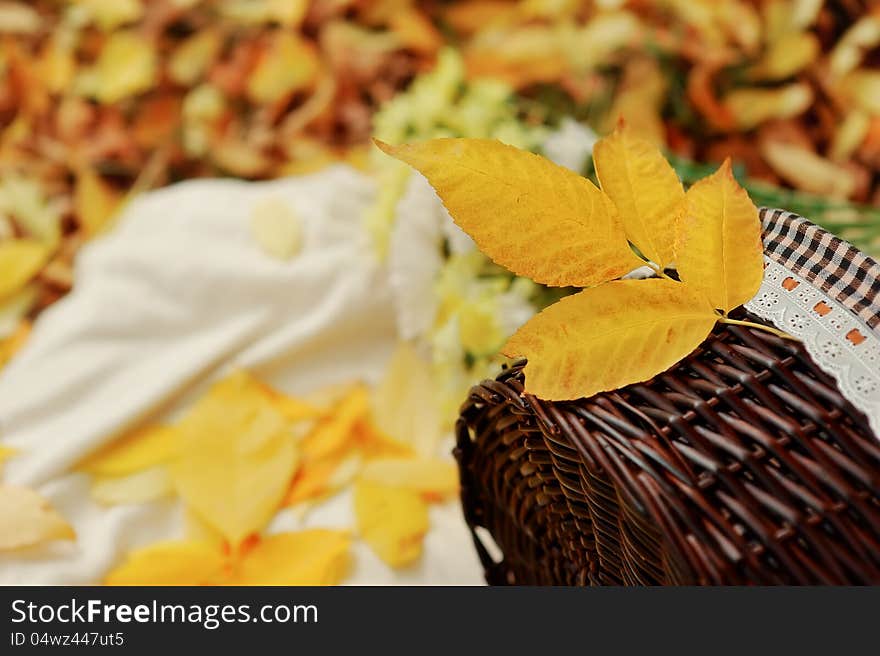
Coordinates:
743 464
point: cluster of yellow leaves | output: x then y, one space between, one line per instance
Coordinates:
547 223
245 452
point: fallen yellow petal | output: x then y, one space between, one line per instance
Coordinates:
27 519
126 66
140 449
375 443
316 479
393 521
276 228
236 457
428 476
139 487
171 563
310 557
95 202
336 431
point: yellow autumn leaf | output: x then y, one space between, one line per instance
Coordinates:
375 443
110 14
787 56
95 202
808 171
171 563
277 228
289 64
335 432
321 478
539 220
309 557
719 252
646 190
405 402
27 519
430 476
750 107
600 339
139 449
139 487
293 408
236 457
193 57
393 521
20 260
126 66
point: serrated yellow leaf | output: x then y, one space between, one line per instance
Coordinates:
539 220
20 260
646 190
405 402
311 557
95 202
289 64
277 228
236 457
140 449
719 251
126 66
428 476
27 519
141 486
171 563
600 339
391 520
335 432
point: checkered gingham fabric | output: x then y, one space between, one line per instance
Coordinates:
836 267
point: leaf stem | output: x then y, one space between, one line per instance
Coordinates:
759 326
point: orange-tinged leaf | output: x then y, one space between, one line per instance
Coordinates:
95 202
646 190
623 332
536 218
310 557
236 457
27 519
139 487
392 521
20 260
430 476
719 250
336 431
171 563
139 449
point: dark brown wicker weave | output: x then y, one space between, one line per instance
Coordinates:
743 464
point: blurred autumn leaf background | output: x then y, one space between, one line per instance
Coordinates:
102 99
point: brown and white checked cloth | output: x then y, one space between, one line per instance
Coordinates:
836 267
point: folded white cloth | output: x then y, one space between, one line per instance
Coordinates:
176 295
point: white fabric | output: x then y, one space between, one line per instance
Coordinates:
855 366
175 296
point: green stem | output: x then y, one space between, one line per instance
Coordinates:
759 326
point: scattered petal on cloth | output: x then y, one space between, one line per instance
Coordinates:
177 295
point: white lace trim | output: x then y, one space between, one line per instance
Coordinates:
838 342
